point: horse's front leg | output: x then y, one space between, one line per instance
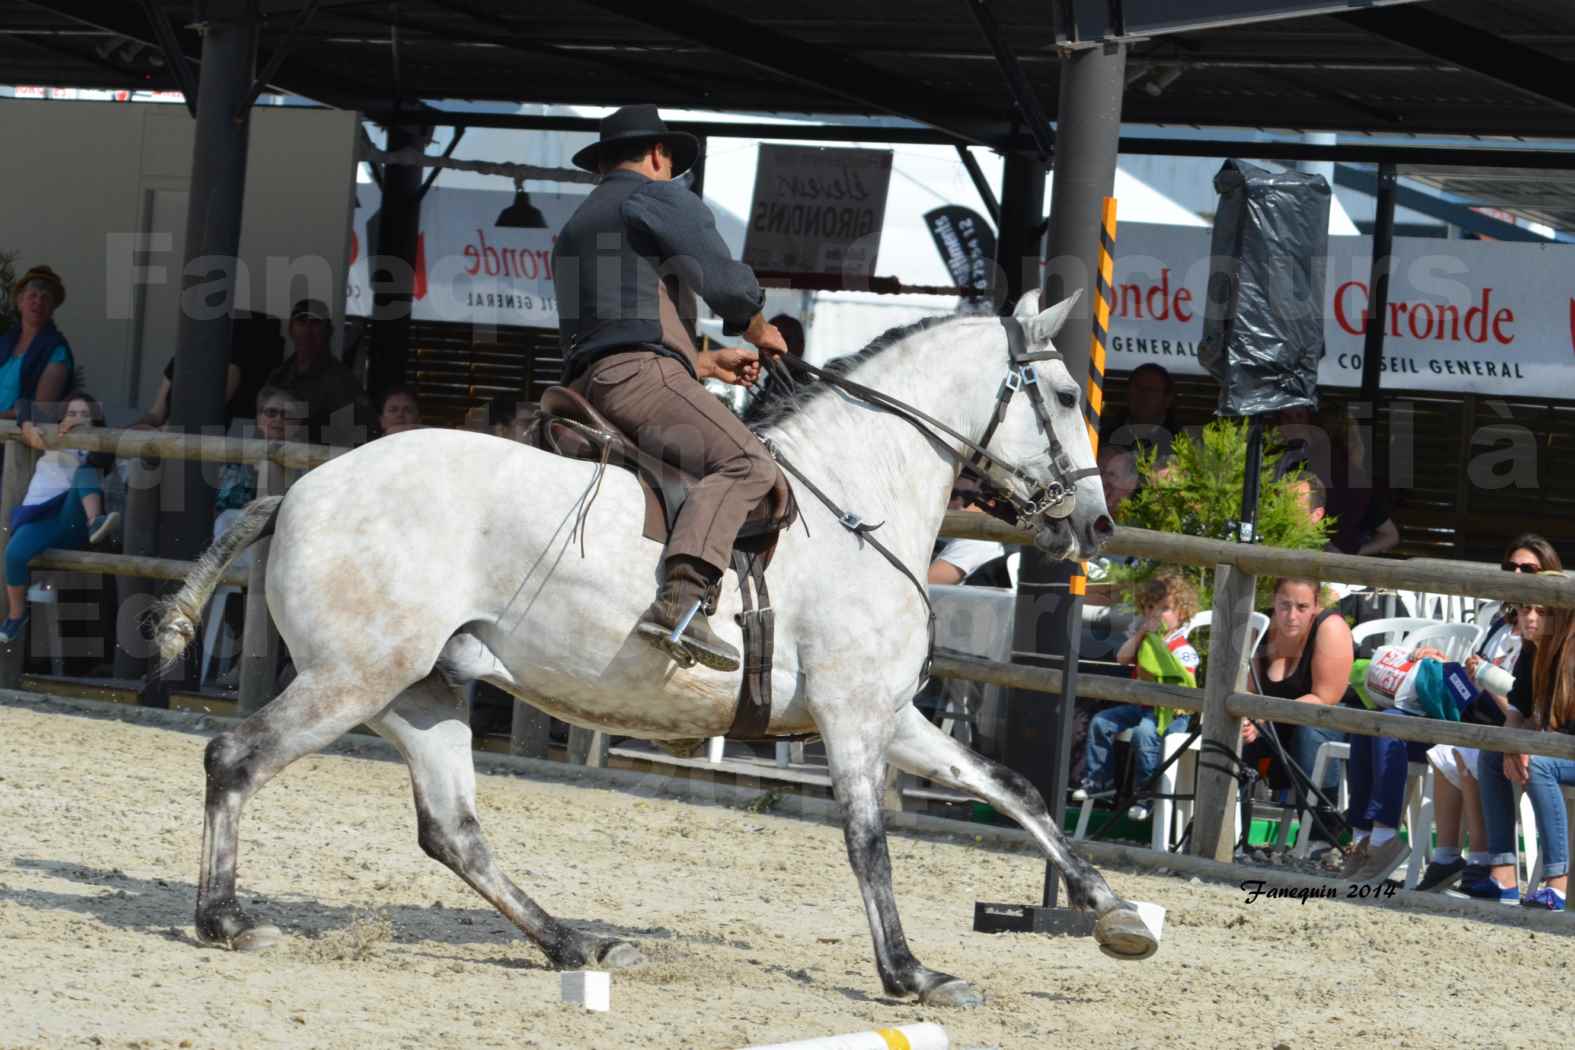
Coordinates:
920 748
855 748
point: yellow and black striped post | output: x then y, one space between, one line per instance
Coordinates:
1094 403
1104 297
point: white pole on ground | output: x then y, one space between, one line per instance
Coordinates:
908 1037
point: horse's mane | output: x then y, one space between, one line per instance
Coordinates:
786 407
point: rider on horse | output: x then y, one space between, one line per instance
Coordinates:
621 264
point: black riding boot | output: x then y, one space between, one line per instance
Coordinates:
689 589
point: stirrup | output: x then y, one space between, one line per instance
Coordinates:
676 638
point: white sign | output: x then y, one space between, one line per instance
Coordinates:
482 256
817 210
1489 317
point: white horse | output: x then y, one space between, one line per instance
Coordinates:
435 557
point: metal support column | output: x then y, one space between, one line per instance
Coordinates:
394 259
1378 310
213 236
1048 622
1017 248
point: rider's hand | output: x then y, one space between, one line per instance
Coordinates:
1249 733
738 365
33 437
765 335
1515 768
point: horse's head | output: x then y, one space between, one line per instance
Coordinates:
1056 485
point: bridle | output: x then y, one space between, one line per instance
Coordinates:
1055 499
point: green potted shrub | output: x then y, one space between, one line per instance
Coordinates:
1197 492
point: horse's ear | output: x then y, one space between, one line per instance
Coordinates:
1044 327
1027 306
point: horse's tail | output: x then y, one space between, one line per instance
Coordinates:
180 614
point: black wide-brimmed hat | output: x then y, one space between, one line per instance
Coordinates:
635 124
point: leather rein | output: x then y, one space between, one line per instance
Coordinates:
1056 500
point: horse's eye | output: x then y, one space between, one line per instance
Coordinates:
1067 398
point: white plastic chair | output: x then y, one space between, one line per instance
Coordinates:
1180 775
1418 807
44 591
1454 640
1391 630
1485 613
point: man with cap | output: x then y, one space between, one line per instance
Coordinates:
314 375
622 263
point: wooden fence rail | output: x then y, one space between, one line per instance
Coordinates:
1436 576
159 444
1223 702
1254 706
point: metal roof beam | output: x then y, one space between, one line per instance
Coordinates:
174 55
490 23
821 68
114 18
1425 30
1023 98
1455 214
1354 153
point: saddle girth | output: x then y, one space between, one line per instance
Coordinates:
753 713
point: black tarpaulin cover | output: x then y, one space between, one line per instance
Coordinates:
1263 319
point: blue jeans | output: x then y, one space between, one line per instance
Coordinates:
1147 748
1377 776
1498 807
68 529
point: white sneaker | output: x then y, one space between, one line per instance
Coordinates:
102 526
1138 812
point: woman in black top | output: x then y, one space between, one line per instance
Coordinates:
1306 655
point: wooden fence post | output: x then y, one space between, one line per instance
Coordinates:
19 463
1213 822
260 638
587 747
140 538
528 731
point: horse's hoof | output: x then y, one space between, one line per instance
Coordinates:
1122 934
953 993
256 939
621 955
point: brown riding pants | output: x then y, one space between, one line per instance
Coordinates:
670 415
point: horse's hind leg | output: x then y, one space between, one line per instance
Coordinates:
318 707
428 726
853 752
922 749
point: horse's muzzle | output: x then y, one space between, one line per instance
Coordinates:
1060 538
1056 538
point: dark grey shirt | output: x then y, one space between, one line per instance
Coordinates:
624 259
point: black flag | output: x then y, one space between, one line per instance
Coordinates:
967 246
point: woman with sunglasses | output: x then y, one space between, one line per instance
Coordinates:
1456 794
277 410
1542 698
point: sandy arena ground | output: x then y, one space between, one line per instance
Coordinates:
752 924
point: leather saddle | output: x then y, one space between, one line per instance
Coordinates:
570 427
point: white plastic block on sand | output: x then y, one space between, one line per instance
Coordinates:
591 989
